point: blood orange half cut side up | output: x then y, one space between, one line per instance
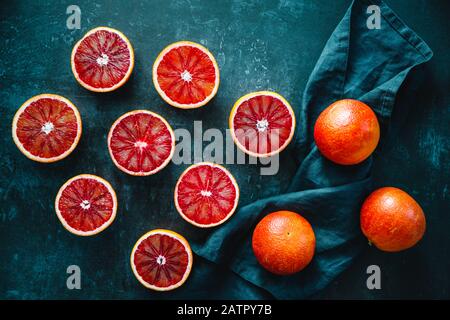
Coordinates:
86 205
141 143
161 260
102 60
186 75
262 123
47 128
206 195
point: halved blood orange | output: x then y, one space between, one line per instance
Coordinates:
102 60
47 128
206 195
161 260
86 204
186 75
262 123
141 143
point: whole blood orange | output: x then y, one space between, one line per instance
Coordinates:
392 220
161 260
186 75
284 242
347 132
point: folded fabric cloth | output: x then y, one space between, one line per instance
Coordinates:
357 62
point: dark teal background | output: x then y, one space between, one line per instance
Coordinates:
256 44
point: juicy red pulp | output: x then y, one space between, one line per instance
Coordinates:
86 204
186 75
262 124
47 128
161 260
206 194
141 142
102 59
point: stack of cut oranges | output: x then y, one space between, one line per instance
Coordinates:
47 128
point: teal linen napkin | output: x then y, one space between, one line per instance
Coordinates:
357 62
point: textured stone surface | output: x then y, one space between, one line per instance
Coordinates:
258 45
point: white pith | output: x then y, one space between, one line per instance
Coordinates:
161 260
206 193
47 127
262 125
186 76
85 204
103 60
140 144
